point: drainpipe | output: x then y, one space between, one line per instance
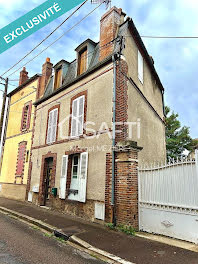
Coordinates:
113 141
3 107
163 103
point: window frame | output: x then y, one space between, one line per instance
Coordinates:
140 67
77 135
80 53
55 77
78 166
29 114
56 107
80 194
21 155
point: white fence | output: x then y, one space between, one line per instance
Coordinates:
168 199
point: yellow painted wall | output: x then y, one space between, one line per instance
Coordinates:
14 136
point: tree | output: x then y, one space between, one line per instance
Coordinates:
178 138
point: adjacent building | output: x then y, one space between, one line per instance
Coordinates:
17 146
71 154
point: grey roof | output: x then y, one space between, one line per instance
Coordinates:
70 69
70 74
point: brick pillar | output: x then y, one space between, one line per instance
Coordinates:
126 185
23 76
46 74
108 30
121 101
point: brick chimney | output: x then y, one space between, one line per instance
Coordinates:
46 74
108 30
23 76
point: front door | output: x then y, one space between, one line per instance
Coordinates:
48 180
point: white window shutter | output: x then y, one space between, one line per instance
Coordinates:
63 178
81 103
83 177
140 67
74 118
54 125
49 131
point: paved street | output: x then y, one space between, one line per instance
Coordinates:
135 249
21 244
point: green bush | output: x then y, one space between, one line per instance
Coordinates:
129 230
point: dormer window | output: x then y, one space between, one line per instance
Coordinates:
58 78
82 61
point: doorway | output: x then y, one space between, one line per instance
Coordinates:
48 175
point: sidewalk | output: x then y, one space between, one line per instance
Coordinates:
135 249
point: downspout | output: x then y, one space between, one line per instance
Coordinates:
113 141
163 103
4 129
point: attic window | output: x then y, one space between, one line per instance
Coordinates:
82 61
58 78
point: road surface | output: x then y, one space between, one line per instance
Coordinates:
21 244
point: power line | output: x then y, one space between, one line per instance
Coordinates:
45 38
89 54
57 39
12 84
169 37
85 56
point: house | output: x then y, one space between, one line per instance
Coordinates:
73 166
191 154
16 151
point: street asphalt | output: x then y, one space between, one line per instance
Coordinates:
21 244
21 238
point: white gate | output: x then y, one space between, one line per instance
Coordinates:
168 199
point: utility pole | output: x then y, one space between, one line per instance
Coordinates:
3 104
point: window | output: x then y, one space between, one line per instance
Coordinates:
140 67
75 166
82 61
52 126
58 79
77 116
26 116
78 183
63 178
21 158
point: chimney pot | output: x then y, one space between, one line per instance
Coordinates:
23 76
108 30
46 74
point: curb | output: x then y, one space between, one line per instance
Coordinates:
86 245
73 239
169 241
29 219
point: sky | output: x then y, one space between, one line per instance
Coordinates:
175 59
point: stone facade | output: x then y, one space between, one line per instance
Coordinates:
134 101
